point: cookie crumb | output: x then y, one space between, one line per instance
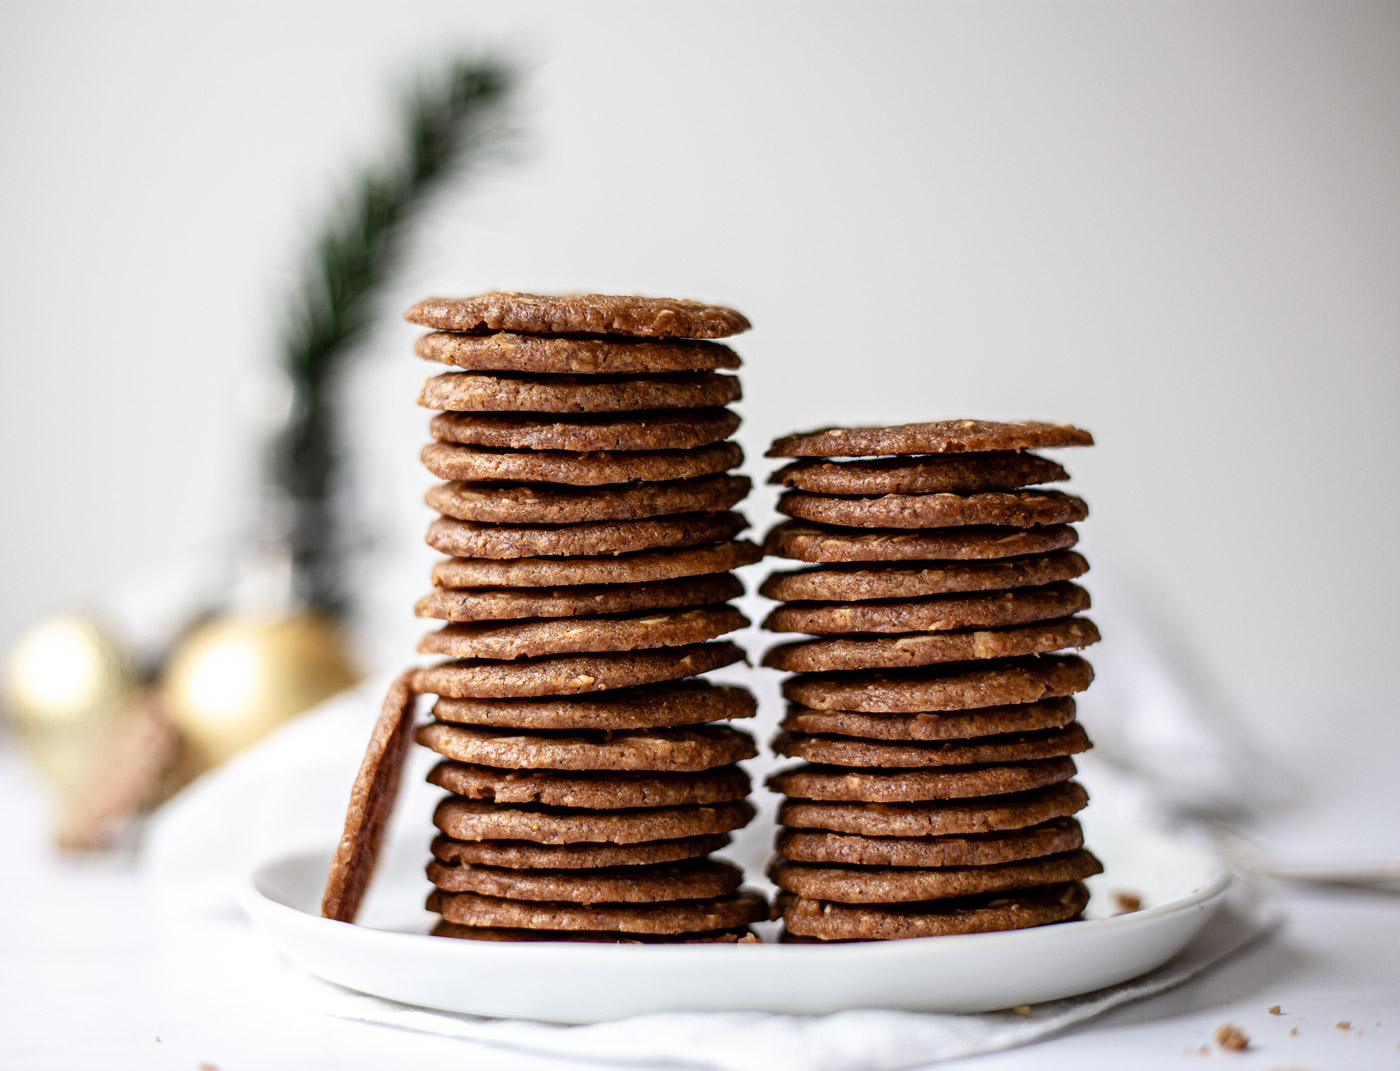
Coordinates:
208 1066
158 1041
1231 1037
1022 1009
1343 1024
1126 902
1275 1009
1293 1032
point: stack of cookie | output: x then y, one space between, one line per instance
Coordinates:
586 508
935 722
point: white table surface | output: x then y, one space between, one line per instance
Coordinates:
91 977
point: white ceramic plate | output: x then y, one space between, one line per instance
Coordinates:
390 955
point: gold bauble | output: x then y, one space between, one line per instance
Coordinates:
233 680
66 686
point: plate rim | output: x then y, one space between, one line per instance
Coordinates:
256 901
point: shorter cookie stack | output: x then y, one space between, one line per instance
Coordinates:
586 509
935 723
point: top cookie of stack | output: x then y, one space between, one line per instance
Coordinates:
587 509
935 724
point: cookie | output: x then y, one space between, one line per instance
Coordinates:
589 789
833 785
934 437
933 613
640 630
817 543
583 314
525 855
639 567
569 674
701 880
896 885
970 849
671 750
742 935
509 352
1016 509
913 754
371 803
656 429
679 916
686 702
538 504
474 820
930 648
603 538
936 918
514 604
949 725
520 392
937 818
956 687
919 475
449 461
857 582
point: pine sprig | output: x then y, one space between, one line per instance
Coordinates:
446 125
450 123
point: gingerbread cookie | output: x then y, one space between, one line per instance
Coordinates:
931 648
919 475
969 849
933 437
947 725
537 504
858 582
913 754
522 392
742 935
934 613
591 790
450 461
477 820
578 314
701 880
371 802
820 543
514 604
638 567
876 786
636 631
1016 509
985 914
957 687
601 538
684 702
507 351
585 855
696 748
679 916
568 674
655 429
894 885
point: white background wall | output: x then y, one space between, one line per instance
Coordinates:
1176 224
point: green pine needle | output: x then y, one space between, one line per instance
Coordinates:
447 123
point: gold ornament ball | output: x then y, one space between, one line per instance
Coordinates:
235 679
66 686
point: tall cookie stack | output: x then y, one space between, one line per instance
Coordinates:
935 724
586 508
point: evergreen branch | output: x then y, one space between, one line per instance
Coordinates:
444 122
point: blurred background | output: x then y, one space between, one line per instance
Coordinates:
1175 224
